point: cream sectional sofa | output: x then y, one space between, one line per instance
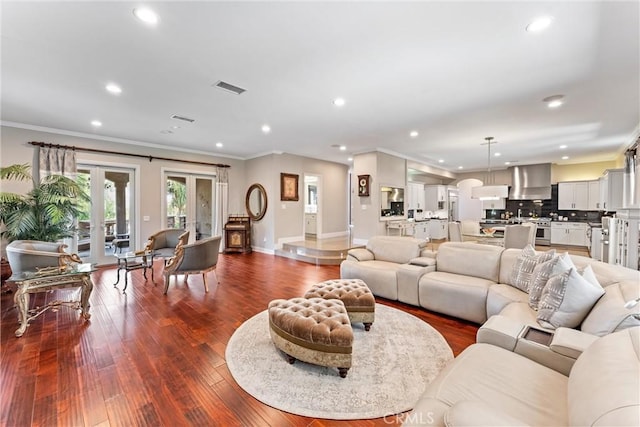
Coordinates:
473 282
518 373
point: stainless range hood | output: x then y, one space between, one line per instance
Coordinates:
531 182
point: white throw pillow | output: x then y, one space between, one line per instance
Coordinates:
567 299
523 268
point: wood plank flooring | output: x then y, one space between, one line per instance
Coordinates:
146 359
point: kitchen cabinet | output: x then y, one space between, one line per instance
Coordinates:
415 196
311 224
611 189
494 204
594 196
421 230
573 196
438 229
569 233
435 197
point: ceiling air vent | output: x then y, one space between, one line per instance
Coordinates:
229 87
184 119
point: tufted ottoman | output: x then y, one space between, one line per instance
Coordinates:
313 330
354 293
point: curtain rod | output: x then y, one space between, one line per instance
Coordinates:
119 153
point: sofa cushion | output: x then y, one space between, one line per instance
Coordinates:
521 312
380 276
511 383
454 294
501 295
604 384
395 248
566 300
482 261
609 315
522 271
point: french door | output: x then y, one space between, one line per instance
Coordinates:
189 203
105 226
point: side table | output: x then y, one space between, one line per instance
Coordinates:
46 279
130 261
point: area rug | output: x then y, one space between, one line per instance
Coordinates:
391 366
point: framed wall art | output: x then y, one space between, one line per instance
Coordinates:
288 187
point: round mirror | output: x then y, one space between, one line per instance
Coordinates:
256 202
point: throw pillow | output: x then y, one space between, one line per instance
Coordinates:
524 265
543 272
567 299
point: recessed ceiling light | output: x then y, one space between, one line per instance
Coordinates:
96 123
441 161
175 127
350 159
339 102
460 167
507 163
413 134
219 144
343 147
497 154
539 24
266 128
554 101
565 157
113 88
146 15
563 146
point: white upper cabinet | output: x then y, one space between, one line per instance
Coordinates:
594 196
416 195
611 191
573 196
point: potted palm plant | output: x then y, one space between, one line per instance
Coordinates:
47 212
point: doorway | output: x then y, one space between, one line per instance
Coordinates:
104 226
189 203
312 197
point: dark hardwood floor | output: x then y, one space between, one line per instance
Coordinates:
148 359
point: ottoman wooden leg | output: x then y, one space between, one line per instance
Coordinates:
367 326
290 358
343 372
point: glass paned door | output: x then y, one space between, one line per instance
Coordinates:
104 226
189 203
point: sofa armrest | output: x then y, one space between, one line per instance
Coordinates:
571 342
423 262
476 413
361 254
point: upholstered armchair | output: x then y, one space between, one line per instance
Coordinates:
30 255
455 232
164 242
196 258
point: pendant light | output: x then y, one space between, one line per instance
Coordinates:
489 191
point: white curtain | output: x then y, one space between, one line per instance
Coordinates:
56 161
222 202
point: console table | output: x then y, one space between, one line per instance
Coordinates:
46 279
